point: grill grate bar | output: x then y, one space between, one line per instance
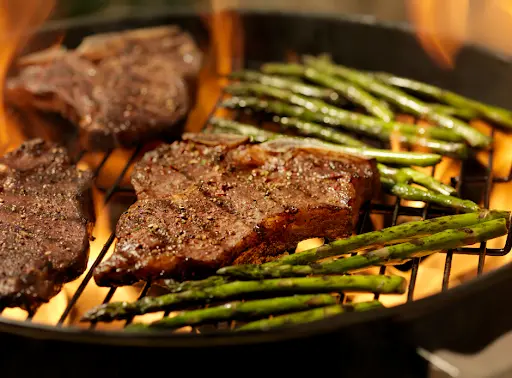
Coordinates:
96 172
86 279
416 260
144 291
447 269
109 241
449 253
394 218
119 178
107 299
487 197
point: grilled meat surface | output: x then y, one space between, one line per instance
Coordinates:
120 88
213 200
45 223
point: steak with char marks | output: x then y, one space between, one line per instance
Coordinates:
120 89
213 200
45 223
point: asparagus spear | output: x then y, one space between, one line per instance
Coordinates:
314 130
239 310
467 114
448 239
458 150
474 137
350 120
384 156
409 192
285 83
254 133
353 93
308 316
294 69
387 181
493 113
310 129
405 175
178 287
307 128
237 289
405 231
350 91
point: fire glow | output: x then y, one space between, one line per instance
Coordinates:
227 44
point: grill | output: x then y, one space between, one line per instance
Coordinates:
390 211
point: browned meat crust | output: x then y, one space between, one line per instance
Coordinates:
210 201
120 89
46 215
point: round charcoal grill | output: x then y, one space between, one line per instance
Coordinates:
395 340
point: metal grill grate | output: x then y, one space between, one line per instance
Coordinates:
390 211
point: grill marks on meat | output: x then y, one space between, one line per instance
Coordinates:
119 88
213 200
46 215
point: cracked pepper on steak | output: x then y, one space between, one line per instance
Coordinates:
46 219
213 200
120 88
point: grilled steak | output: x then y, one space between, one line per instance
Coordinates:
214 200
119 88
46 217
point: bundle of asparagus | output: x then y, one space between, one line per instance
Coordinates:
303 120
242 289
375 86
308 316
298 274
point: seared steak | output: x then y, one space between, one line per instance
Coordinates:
46 217
213 200
119 88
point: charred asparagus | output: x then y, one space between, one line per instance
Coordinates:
285 83
458 150
314 130
398 253
353 121
348 90
237 289
460 103
406 175
384 156
239 310
308 316
408 103
178 287
409 192
467 114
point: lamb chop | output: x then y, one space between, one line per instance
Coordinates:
213 200
45 223
120 89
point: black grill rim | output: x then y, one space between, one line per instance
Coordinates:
399 315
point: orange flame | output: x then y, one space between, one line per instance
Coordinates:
441 27
16 23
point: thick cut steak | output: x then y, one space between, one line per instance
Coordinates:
45 223
120 89
213 200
